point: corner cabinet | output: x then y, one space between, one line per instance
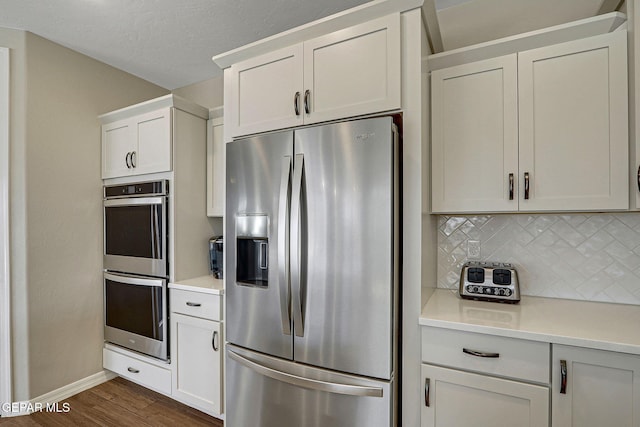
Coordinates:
138 140
346 73
543 129
595 388
196 349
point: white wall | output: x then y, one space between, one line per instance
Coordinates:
56 217
208 93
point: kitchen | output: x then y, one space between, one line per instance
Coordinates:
419 246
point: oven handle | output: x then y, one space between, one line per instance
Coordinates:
131 280
134 201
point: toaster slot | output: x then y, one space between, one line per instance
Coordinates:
475 275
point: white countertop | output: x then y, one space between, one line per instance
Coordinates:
204 284
605 326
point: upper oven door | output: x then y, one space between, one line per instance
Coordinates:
135 235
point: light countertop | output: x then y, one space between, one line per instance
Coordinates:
204 284
605 326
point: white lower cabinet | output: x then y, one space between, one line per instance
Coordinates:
480 380
196 350
595 388
454 398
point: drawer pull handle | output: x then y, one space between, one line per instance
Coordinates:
427 384
214 341
307 103
563 377
477 353
133 370
296 103
526 185
193 304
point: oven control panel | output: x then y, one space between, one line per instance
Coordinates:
489 281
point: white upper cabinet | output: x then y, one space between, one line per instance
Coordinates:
346 73
573 125
475 136
266 91
139 139
137 145
216 154
549 133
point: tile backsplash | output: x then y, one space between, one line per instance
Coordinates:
593 257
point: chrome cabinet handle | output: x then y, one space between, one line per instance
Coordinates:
307 106
312 384
296 219
127 160
563 377
526 185
214 340
427 385
477 353
283 245
296 103
133 370
133 156
193 304
638 178
510 186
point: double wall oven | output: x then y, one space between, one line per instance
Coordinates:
136 266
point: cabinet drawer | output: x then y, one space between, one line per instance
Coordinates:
206 306
522 359
136 370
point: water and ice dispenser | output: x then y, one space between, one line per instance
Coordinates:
252 247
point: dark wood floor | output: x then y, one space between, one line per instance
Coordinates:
117 403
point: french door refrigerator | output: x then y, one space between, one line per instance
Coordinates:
311 270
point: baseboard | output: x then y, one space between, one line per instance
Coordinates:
47 401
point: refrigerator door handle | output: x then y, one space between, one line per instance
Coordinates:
296 288
283 246
295 380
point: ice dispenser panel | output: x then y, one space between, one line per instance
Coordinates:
252 246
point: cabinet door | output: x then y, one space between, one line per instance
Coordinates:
602 388
215 167
475 137
266 92
117 145
573 125
153 144
354 71
460 399
196 345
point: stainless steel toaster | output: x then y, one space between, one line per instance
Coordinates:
489 281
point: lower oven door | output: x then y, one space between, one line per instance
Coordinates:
135 313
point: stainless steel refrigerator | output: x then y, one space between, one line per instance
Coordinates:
311 268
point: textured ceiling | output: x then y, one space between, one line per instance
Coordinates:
167 42
171 42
